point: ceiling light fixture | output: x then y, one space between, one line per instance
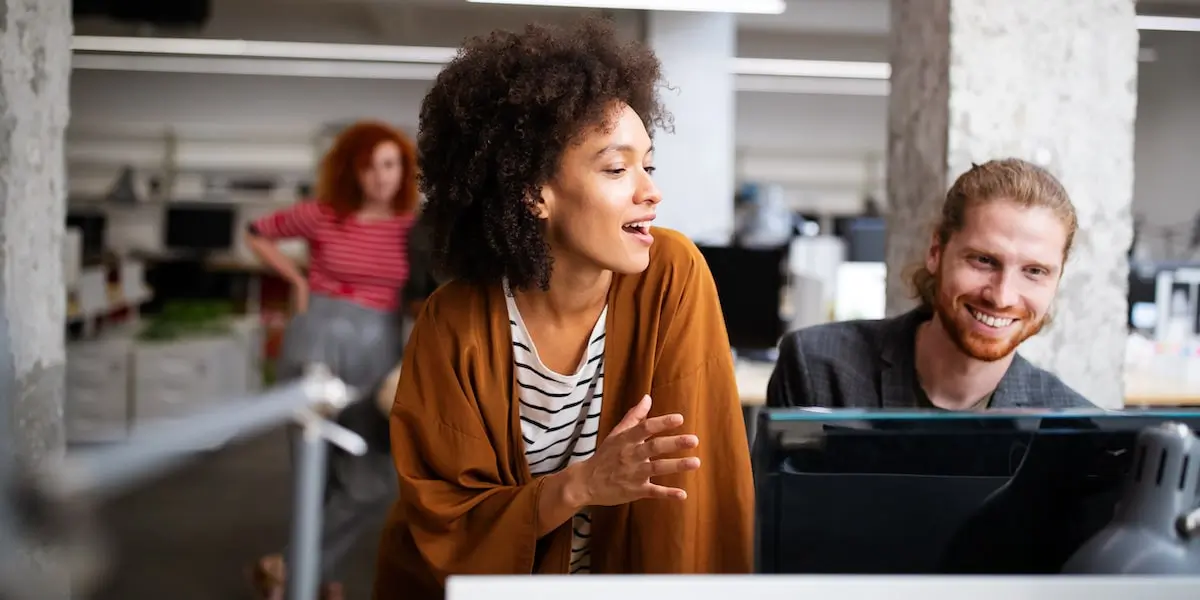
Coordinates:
760 7
834 69
261 49
1154 23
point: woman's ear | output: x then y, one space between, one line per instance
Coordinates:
539 202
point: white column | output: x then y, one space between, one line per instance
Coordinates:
35 63
1050 81
696 162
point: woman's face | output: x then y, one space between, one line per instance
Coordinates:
599 206
380 180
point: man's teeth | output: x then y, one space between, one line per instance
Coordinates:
989 320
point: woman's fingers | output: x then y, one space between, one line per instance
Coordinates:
654 426
660 491
634 416
668 466
665 445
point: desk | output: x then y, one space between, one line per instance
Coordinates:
1144 389
752 379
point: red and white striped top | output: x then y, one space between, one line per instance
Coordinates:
365 261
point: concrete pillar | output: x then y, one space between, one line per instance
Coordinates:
35 58
1051 81
696 162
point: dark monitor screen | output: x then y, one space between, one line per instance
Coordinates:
750 284
93 228
864 237
199 227
856 492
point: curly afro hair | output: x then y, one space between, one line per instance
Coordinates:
493 130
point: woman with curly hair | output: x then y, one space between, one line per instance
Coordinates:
567 403
347 316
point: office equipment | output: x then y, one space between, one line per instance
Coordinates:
1156 521
199 227
862 492
93 229
72 256
750 283
865 240
1143 312
723 587
1177 296
860 291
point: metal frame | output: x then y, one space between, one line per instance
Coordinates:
50 510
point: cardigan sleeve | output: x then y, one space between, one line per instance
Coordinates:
461 515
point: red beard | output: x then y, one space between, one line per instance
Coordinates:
959 325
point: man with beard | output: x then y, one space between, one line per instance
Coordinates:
987 284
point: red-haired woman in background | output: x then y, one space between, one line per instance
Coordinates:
347 317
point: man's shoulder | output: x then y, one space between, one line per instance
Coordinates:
1045 389
829 341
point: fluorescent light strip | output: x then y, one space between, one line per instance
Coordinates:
778 67
1153 23
264 67
760 7
259 49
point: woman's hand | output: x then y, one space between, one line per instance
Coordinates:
621 469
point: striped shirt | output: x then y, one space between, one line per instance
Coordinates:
364 261
560 415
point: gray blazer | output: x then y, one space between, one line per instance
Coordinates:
870 364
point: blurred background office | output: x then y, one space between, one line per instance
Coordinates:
813 141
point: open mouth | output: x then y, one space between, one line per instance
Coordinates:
990 320
638 227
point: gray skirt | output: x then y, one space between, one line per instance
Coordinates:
358 344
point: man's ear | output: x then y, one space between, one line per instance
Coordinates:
933 257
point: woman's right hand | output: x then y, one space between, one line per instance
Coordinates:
620 470
299 297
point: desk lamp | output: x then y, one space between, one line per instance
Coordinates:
1156 526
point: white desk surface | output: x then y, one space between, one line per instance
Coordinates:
752 379
813 587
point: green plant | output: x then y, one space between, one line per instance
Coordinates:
187 318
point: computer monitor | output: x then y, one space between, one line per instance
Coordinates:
93 228
922 492
199 227
1147 302
750 283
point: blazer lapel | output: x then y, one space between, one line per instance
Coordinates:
898 374
1013 391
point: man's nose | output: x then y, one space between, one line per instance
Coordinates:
1002 292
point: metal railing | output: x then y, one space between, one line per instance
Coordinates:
50 511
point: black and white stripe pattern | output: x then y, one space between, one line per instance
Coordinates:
560 415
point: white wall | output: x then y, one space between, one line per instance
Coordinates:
1167 145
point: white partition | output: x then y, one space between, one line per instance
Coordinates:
780 587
